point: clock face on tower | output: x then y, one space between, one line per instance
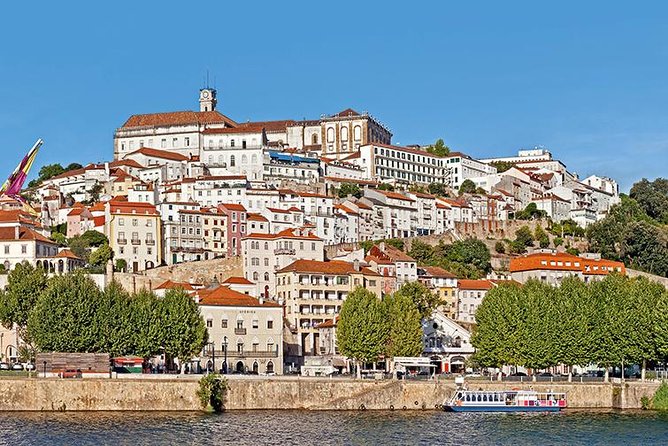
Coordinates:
205 94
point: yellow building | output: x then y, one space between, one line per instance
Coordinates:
442 283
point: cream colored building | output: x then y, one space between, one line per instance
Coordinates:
134 233
264 254
246 331
314 291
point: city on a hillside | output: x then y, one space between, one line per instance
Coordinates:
269 247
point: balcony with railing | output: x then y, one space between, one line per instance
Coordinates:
150 242
245 353
122 241
240 331
284 252
135 241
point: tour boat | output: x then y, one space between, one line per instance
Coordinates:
515 400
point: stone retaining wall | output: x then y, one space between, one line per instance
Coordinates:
282 393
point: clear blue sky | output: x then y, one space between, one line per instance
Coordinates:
585 79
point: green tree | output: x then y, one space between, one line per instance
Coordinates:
542 237
467 187
439 189
80 247
524 236
121 265
65 317
348 189
363 330
421 252
439 148
386 187
95 238
645 247
184 329
652 197
25 284
425 301
469 251
405 327
531 212
73 166
660 326
500 247
147 316
101 256
116 321
59 238
502 166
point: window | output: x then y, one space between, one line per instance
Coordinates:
24 249
223 323
163 143
121 222
255 323
175 142
6 249
186 141
266 277
270 325
135 222
209 323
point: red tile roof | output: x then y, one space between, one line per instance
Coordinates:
67 254
134 208
286 233
346 112
178 118
25 234
550 261
466 284
255 217
223 296
238 281
157 153
334 267
232 207
436 271
389 252
170 285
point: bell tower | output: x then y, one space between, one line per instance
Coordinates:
207 99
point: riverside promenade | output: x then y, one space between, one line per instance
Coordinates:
178 393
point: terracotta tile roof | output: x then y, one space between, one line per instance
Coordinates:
223 296
345 209
331 323
346 112
75 212
394 195
178 118
125 163
421 195
67 254
170 285
565 262
235 130
255 217
272 126
157 153
334 267
99 221
437 271
362 205
390 253
238 281
377 260
25 234
134 208
466 284
232 207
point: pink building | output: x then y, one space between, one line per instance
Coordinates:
236 226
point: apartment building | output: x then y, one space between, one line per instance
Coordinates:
395 213
391 262
470 295
245 333
236 217
134 233
314 291
264 254
442 283
552 267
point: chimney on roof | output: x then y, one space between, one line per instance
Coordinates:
381 246
356 265
17 230
261 300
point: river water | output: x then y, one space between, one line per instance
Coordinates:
334 428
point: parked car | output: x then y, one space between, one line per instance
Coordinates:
518 374
30 366
4 366
70 373
545 375
17 366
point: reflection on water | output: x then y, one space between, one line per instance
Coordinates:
336 428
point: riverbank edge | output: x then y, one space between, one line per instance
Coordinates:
161 395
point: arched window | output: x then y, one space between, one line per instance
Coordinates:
256 276
244 160
254 159
266 277
344 133
232 161
330 134
210 159
314 139
266 246
357 133
270 367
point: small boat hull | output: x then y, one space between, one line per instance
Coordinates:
449 408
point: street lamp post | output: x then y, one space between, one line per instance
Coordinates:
44 369
213 357
225 353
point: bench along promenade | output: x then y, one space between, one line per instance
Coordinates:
178 393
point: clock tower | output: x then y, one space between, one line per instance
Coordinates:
207 99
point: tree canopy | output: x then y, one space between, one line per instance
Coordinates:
362 331
405 326
439 148
467 187
469 258
424 300
652 197
347 189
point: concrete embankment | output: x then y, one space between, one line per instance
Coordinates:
283 393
